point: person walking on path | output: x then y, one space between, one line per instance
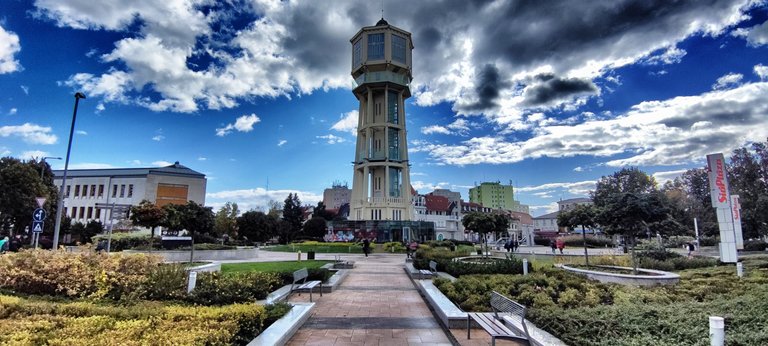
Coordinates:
691 249
5 244
515 245
560 245
552 245
412 247
366 246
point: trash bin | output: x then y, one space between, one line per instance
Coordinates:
453 247
310 255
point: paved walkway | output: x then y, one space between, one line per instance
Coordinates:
377 304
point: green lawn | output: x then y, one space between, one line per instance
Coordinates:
284 266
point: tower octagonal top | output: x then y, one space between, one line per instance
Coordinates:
382 53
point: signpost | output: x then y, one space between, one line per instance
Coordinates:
119 210
721 200
37 220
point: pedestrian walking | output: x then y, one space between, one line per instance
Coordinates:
515 245
366 246
560 245
508 245
691 249
5 244
412 247
552 245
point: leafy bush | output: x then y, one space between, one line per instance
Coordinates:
209 246
510 265
678 241
82 274
394 247
658 253
755 245
41 322
165 282
213 288
677 263
276 311
539 240
321 274
709 241
125 240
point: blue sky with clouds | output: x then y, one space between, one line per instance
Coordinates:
256 94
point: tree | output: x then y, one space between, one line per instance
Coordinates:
20 183
320 211
196 219
149 215
77 230
581 215
315 227
256 226
626 180
481 223
748 177
294 216
226 220
91 229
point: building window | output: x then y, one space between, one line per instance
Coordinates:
398 48
98 213
130 190
101 190
114 191
122 191
392 107
376 46
82 212
69 187
77 190
74 213
357 53
90 213
93 190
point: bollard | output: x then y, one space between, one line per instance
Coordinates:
716 331
739 269
192 281
299 253
525 266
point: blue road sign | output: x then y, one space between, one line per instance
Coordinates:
38 214
37 227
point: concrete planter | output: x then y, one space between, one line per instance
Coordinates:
203 255
648 277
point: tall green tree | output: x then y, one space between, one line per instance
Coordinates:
581 215
226 220
314 227
197 220
748 172
148 214
20 184
320 211
293 214
626 180
257 226
481 223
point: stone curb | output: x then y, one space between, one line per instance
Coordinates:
283 329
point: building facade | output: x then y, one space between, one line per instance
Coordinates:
381 68
497 196
568 204
546 223
174 184
442 212
338 195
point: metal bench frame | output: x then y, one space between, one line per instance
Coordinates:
300 283
493 322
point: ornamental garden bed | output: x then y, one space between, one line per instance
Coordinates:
57 297
584 312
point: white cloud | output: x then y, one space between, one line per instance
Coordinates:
281 142
728 80
347 123
539 210
30 133
667 132
158 138
13 111
424 187
81 132
663 177
135 162
331 139
25 89
576 188
33 154
162 163
578 169
435 129
258 198
242 124
757 35
672 55
4 151
761 71
9 46
202 158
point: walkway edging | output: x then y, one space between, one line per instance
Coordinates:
283 329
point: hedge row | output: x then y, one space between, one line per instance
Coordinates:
40 322
446 263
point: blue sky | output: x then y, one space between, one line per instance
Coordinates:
256 94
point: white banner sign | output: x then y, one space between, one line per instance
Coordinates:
718 181
736 211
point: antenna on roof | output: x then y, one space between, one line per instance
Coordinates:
382 9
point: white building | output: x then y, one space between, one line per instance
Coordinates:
175 184
546 222
442 212
336 196
568 204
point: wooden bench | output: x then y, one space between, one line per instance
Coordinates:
300 283
493 322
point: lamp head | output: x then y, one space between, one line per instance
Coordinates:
79 95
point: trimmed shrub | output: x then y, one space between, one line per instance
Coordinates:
709 241
755 245
213 288
678 241
125 240
394 247
592 241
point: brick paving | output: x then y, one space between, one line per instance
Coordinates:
377 304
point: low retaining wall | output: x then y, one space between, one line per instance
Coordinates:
210 267
283 329
656 278
203 255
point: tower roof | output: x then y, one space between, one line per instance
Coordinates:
382 22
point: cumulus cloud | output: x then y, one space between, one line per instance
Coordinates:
550 90
158 138
9 46
758 35
664 176
575 188
242 124
81 132
672 55
425 187
680 130
539 210
33 155
281 142
162 163
30 133
428 130
761 71
347 123
457 127
728 80
331 139
258 198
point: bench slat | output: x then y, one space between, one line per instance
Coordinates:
493 323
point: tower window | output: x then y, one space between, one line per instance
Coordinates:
398 48
357 53
376 46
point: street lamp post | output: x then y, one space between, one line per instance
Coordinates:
78 96
42 167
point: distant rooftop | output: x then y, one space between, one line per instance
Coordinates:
174 169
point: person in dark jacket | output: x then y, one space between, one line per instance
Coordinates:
366 246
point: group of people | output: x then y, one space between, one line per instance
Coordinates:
511 245
558 244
